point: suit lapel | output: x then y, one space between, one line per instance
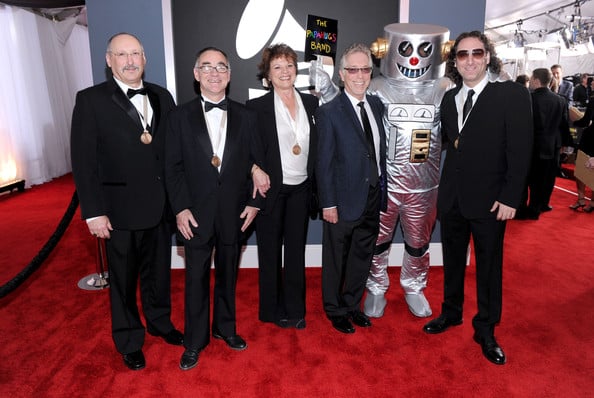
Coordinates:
156 105
476 106
123 102
354 119
232 133
198 125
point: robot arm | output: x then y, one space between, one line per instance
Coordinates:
324 85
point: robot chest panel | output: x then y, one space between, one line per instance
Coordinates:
411 113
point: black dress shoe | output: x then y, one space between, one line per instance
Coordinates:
189 359
300 324
491 350
283 323
342 324
360 319
235 341
546 208
440 324
174 337
134 360
291 323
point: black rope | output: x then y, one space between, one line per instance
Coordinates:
45 250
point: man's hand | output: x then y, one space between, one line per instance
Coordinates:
590 163
330 215
184 219
261 181
100 227
503 212
249 213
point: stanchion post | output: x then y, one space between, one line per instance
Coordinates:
99 280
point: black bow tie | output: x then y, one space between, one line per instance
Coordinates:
221 105
132 92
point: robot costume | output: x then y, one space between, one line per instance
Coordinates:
411 86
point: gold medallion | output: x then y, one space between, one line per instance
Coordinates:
296 149
146 137
215 161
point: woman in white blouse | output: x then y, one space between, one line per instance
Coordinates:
286 126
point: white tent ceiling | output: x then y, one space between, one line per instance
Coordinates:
557 31
536 19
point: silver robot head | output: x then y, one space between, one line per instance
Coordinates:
413 51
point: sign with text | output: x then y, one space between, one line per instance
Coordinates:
320 37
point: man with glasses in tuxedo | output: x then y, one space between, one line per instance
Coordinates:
488 127
211 153
118 142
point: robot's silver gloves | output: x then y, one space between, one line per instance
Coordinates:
320 79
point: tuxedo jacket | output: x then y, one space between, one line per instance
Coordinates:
216 199
343 166
551 124
266 120
115 173
492 157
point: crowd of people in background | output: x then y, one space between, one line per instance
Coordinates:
564 133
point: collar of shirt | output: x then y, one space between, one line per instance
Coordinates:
355 102
137 101
477 89
125 87
461 96
217 110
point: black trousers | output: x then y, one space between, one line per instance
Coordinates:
487 234
197 291
144 254
282 289
541 182
347 251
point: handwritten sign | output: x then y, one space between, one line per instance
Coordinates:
320 37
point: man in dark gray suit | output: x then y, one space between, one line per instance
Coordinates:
565 88
350 168
488 125
117 148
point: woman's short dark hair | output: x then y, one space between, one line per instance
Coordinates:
275 51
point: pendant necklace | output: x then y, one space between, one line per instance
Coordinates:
216 141
146 137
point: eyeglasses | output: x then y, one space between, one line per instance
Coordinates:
477 53
209 68
121 55
353 71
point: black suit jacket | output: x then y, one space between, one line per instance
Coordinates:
194 183
264 107
343 166
494 151
551 124
115 173
580 95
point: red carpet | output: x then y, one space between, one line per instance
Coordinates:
56 338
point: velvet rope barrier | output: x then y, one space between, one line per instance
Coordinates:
45 250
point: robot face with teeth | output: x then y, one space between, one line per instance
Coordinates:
414 51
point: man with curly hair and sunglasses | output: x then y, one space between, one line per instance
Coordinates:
488 128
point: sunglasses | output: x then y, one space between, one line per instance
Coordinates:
477 53
352 71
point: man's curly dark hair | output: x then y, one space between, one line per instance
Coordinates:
494 65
